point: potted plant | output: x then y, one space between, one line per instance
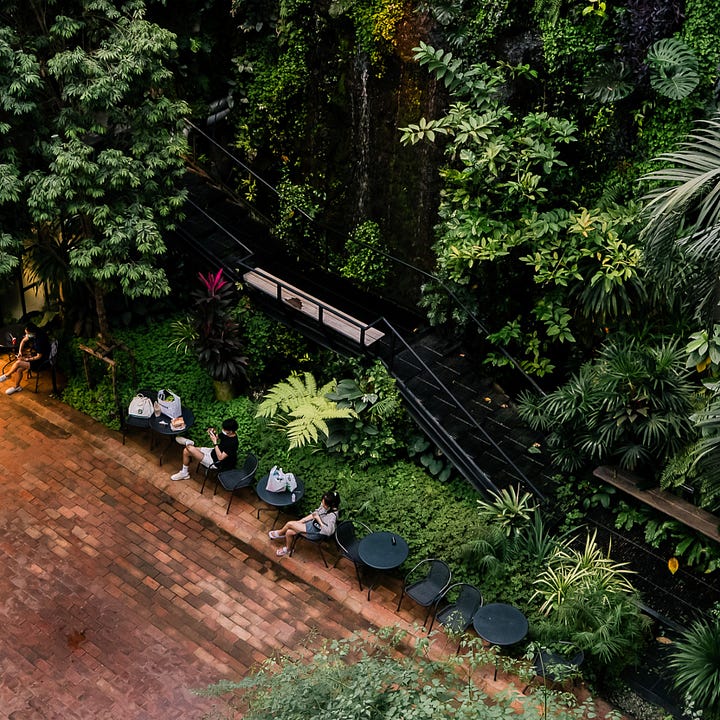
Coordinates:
214 335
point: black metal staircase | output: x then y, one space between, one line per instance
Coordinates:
461 409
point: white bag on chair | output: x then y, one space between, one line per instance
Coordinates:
169 403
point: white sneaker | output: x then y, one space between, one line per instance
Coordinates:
182 475
180 440
3 378
14 389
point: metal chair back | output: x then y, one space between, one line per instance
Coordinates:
232 480
348 542
457 613
433 583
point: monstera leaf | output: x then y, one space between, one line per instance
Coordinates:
673 68
609 82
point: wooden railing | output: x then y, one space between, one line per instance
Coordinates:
667 503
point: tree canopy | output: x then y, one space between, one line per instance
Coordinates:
92 147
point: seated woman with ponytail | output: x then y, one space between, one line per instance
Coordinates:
320 522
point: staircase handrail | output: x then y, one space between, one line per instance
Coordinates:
400 261
397 336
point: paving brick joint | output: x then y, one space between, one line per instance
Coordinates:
123 591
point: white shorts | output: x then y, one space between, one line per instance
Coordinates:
207 459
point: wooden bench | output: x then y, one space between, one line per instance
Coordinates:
312 307
667 503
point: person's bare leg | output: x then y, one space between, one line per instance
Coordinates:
294 525
190 452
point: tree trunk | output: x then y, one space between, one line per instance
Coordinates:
103 325
224 390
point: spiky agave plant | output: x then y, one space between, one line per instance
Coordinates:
509 509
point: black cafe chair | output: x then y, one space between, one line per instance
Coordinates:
237 479
348 542
318 541
559 665
455 608
425 583
47 365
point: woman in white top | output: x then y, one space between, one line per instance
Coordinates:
318 523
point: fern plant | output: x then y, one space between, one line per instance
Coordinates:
301 410
673 68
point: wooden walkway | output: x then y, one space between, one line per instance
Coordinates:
667 503
299 300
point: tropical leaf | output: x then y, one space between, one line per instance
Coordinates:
610 82
682 212
673 68
302 410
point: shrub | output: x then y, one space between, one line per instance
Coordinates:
695 662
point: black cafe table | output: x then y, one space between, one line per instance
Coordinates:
382 551
500 624
160 425
278 500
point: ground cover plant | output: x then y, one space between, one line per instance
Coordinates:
383 674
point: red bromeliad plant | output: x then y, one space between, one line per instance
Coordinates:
217 340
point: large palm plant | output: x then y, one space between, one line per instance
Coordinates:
631 407
682 232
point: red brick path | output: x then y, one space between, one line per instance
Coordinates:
121 591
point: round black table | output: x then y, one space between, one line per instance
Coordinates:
382 551
279 500
160 425
500 624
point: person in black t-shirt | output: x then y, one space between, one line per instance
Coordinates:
222 454
33 351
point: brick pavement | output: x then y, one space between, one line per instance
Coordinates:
122 591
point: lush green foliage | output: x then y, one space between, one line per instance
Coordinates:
590 601
382 675
696 665
631 407
298 206
504 205
360 417
363 257
92 153
375 434
272 349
